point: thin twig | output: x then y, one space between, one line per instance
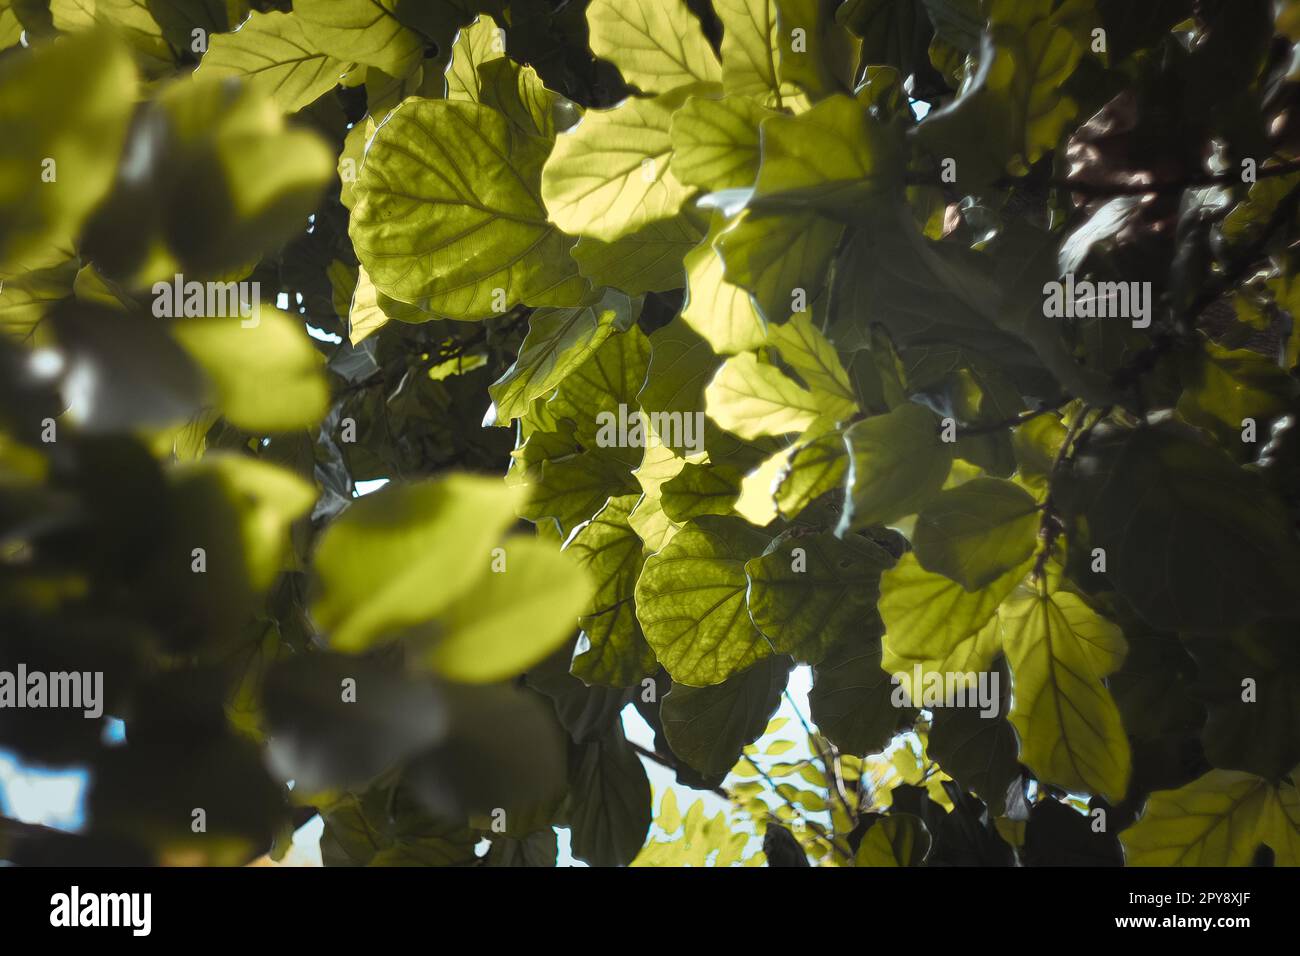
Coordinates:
1051 524
1087 188
966 431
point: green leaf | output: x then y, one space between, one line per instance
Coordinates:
810 592
68 103
513 618
178 19
11 31
690 600
371 310
899 839
268 377
832 158
267 500
571 489
131 372
1219 819
373 565
222 773
390 35
781 258
585 712
504 751
28 295
610 802
933 622
274 54
1242 730
1283 834
1013 110
648 260
656 44
708 726
852 696
757 501
476 45
517 92
611 649
897 463
384 827
1224 555
339 721
822 58
557 343
920 291
700 490
957 22
816 468
131 20
715 142
681 365
721 313
974 392
448 215
539 849
610 176
1224 387
654 527
977 532
894 32
751 399
669 817
1059 651
813 358
221 180
749 51
239 511
591 396
981 753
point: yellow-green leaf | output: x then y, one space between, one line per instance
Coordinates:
65 110
388 34
1059 650
749 51
721 313
751 399
512 619
376 563
610 176
656 44
1219 819
690 600
715 141
448 215
897 463
268 376
933 622
272 53
807 351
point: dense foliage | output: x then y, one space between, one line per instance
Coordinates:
699 340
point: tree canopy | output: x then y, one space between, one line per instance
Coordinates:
697 341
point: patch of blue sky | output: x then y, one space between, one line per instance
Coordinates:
366 487
52 797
